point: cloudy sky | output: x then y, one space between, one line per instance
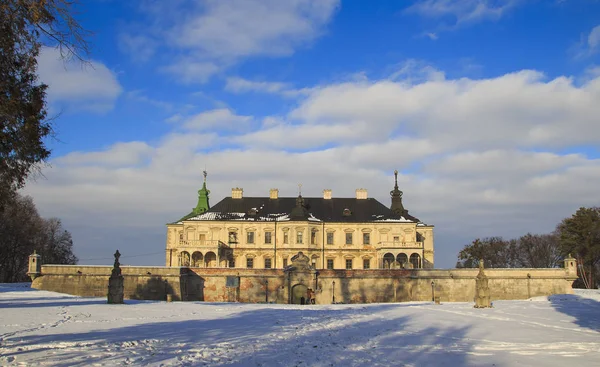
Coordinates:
490 110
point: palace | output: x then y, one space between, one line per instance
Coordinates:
266 232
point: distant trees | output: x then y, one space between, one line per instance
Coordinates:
22 231
495 251
528 251
578 235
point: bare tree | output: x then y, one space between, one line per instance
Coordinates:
56 243
19 234
538 251
22 231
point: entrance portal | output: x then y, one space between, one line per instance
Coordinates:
299 294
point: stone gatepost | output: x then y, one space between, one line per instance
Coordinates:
115 283
482 291
35 266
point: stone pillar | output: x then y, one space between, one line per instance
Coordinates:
115 283
482 291
35 266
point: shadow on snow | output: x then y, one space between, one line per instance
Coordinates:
585 311
278 336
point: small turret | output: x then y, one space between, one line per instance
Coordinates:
35 266
203 205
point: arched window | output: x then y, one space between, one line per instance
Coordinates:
210 260
184 260
197 259
388 260
415 261
402 260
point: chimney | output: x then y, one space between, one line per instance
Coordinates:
274 194
237 193
361 194
327 194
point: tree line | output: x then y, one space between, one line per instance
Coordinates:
578 236
25 27
23 231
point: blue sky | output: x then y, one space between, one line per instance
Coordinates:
489 110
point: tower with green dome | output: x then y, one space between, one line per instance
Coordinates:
202 205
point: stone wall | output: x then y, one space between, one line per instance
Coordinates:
140 282
276 285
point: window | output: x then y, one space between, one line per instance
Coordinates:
366 264
231 262
396 238
348 238
285 262
329 263
299 237
330 238
366 238
202 238
349 264
232 237
267 237
286 238
180 235
250 237
267 263
313 237
249 263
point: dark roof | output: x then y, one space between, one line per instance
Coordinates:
316 209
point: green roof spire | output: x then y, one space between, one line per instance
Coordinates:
203 205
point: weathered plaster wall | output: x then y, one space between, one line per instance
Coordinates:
275 285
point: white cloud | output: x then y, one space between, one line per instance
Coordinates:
241 85
140 47
209 36
514 110
238 85
77 86
463 11
139 95
588 45
478 154
217 119
119 154
593 39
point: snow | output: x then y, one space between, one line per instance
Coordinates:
46 328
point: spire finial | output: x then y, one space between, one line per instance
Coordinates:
205 173
396 178
300 189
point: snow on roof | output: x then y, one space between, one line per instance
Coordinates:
397 220
240 217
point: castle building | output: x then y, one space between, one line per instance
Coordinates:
266 232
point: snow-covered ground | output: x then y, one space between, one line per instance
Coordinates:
41 328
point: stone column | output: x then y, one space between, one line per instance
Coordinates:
115 283
482 291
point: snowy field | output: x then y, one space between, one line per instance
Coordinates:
39 328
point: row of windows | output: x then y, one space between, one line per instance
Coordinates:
250 238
